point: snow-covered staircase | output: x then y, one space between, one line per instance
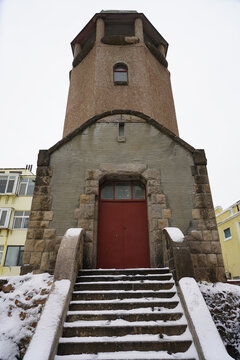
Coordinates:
125 314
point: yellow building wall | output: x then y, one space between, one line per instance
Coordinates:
13 237
230 218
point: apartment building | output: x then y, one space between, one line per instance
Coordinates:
16 190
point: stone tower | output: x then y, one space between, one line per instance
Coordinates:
125 38
121 172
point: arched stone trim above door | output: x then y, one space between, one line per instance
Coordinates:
158 213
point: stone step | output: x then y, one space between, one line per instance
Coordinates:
144 271
109 295
124 311
112 278
125 285
91 305
132 317
69 346
128 356
71 331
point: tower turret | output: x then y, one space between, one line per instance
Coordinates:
119 63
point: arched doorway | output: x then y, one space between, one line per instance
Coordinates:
123 226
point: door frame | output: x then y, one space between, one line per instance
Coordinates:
140 206
157 212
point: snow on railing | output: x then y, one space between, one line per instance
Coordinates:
176 253
175 234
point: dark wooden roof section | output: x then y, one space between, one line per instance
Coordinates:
119 16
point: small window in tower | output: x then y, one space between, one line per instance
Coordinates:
121 133
121 129
120 74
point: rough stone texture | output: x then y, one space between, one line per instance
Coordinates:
87 214
39 245
204 240
35 258
41 240
43 158
162 223
224 306
41 224
177 256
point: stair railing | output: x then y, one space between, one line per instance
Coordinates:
176 253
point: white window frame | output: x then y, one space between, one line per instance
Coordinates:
25 180
117 69
229 237
1 253
22 217
10 177
20 248
8 216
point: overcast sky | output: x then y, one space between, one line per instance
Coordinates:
203 57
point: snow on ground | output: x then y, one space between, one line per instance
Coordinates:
21 302
22 299
202 321
223 301
48 325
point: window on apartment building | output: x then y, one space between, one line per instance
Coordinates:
4 217
1 253
227 233
26 187
120 74
20 220
14 256
8 184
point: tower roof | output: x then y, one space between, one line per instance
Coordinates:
121 16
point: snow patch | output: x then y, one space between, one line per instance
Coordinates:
175 234
20 309
132 355
211 343
73 232
223 301
128 300
121 322
131 338
40 346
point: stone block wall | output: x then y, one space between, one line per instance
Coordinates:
87 213
177 187
41 245
204 241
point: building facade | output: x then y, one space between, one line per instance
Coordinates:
228 221
121 172
16 190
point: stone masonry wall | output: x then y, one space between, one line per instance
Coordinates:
41 245
158 213
175 176
204 239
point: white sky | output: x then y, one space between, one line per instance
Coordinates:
204 61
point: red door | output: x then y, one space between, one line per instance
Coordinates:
122 228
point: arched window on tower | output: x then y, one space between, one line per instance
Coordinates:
120 74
